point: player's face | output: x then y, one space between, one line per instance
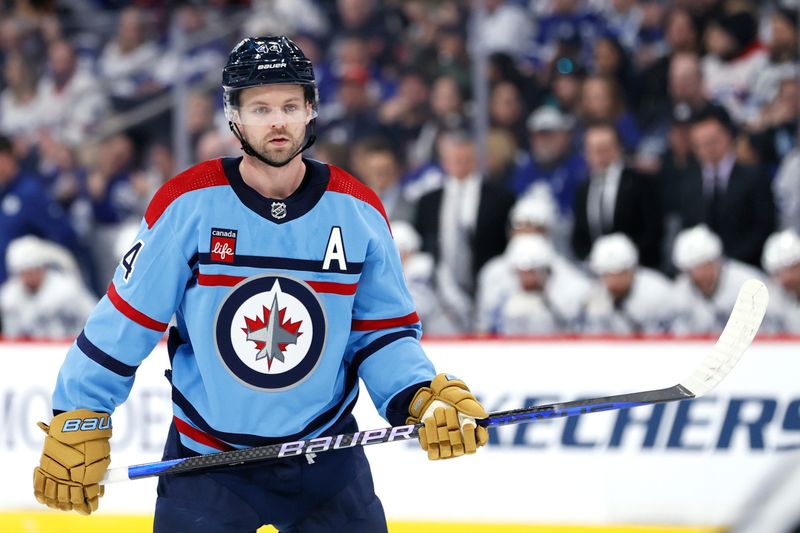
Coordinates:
705 277
618 283
274 119
789 278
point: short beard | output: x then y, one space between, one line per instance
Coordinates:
264 152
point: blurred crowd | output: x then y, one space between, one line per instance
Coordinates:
640 161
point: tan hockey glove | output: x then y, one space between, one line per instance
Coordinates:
75 457
448 409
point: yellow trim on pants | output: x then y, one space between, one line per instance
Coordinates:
56 522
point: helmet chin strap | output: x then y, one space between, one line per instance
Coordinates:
249 150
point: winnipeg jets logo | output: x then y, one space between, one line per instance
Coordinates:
278 210
273 334
270 332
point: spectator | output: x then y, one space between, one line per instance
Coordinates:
602 102
274 17
506 28
128 62
158 167
25 208
782 262
199 116
19 112
507 111
204 55
773 134
546 298
629 299
566 88
783 56
733 61
786 188
463 223
501 156
615 199
353 116
436 316
70 100
44 297
568 19
447 113
734 200
709 283
552 159
379 167
403 115
611 61
655 80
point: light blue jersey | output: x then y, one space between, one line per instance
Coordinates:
280 306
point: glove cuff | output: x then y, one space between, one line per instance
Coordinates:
80 425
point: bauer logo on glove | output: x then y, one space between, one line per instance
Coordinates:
448 411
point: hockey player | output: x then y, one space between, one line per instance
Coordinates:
782 261
707 287
286 288
548 295
45 297
420 273
534 213
629 299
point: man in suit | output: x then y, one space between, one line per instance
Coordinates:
463 223
615 199
733 199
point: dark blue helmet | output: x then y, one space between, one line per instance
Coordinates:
266 60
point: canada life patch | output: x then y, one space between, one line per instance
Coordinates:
270 332
223 245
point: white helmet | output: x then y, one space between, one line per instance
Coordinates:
781 250
530 252
613 253
30 252
695 246
537 208
406 237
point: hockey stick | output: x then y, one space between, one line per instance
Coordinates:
739 332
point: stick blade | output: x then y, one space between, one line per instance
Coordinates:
739 332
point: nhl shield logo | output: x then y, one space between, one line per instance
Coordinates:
278 210
270 332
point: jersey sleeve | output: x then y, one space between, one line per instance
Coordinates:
130 319
384 340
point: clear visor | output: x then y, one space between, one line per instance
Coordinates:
267 110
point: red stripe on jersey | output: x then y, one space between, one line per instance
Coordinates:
132 313
205 174
200 436
345 289
218 280
369 325
344 183
329 287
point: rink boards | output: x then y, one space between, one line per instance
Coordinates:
694 466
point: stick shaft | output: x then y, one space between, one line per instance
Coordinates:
391 434
737 335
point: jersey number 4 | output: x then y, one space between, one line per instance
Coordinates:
129 259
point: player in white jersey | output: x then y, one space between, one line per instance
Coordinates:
782 261
420 272
548 295
44 298
709 282
627 298
533 214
